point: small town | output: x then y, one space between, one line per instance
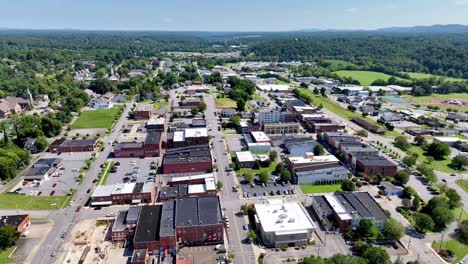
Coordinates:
230 148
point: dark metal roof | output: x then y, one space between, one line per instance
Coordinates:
78 142
152 138
50 162
197 211
12 220
320 200
188 154
148 224
371 205
167 219
133 214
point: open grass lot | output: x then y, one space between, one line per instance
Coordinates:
268 169
320 188
463 184
13 201
426 100
420 75
4 255
160 104
454 245
438 165
460 214
337 109
365 77
99 118
342 63
225 103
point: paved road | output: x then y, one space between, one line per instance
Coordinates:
65 217
230 200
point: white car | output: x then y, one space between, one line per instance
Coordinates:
110 214
70 203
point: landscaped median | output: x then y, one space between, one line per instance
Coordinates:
105 173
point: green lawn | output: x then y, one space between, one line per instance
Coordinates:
426 100
268 169
320 188
365 77
454 245
460 214
13 201
225 103
337 109
4 255
341 63
420 75
105 173
463 184
438 165
160 104
257 97
99 118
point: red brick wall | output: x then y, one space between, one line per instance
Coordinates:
200 234
201 166
24 225
129 152
388 171
142 114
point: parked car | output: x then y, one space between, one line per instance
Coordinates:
88 191
53 185
117 164
52 193
78 208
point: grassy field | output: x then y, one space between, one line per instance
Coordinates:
438 165
338 63
456 246
268 169
225 103
99 118
320 188
364 77
425 100
4 255
420 75
160 104
463 184
13 201
337 109
460 214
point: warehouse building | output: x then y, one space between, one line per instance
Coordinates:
73 145
123 193
283 223
310 169
187 160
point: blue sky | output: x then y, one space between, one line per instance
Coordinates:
233 15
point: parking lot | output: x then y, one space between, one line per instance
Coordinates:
270 189
133 170
201 254
235 142
60 183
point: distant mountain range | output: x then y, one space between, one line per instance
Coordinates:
451 28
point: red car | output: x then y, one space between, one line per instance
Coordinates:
39 193
53 185
78 208
52 193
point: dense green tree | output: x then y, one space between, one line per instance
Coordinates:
41 143
463 227
367 230
319 150
264 177
272 155
248 177
410 160
285 175
402 176
8 235
402 143
312 260
345 259
453 197
423 222
201 106
393 230
420 140
458 162
438 150
377 255
442 216
348 185
279 168
8 168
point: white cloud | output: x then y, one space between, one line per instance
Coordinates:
352 10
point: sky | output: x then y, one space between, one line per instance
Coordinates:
233 15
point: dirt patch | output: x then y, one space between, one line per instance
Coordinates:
452 103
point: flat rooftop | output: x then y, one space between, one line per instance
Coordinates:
259 136
314 159
274 87
148 223
245 156
187 154
78 142
280 216
196 132
196 211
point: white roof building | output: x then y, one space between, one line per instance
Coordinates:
260 137
274 87
196 132
245 156
311 158
284 223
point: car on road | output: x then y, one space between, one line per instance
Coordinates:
95 180
117 164
218 247
78 208
110 214
53 185
39 193
88 191
70 203
52 193
244 227
453 174
444 180
133 180
53 253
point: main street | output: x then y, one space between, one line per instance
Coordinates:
230 201
67 216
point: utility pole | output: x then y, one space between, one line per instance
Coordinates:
442 239
409 244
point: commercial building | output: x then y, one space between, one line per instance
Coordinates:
189 103
245 159
368 126
346 210
156 124
374 166
310 169
194 89
282 128
269 116
228 112
257 141
187 160
198 220
123 193
187 137
282 223
151 147
298 146
322 124
390 189
20 222
447 140
73 145
140 256
143 112
276 88
298 108
179 189
42 169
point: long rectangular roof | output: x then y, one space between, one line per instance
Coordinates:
148 224
197 211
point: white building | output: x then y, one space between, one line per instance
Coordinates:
310 169
101 103
269 116
284 223
260 137
282 88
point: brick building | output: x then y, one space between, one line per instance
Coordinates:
73 145
19 222
187 137
187 160
143 112
123 193
151 147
